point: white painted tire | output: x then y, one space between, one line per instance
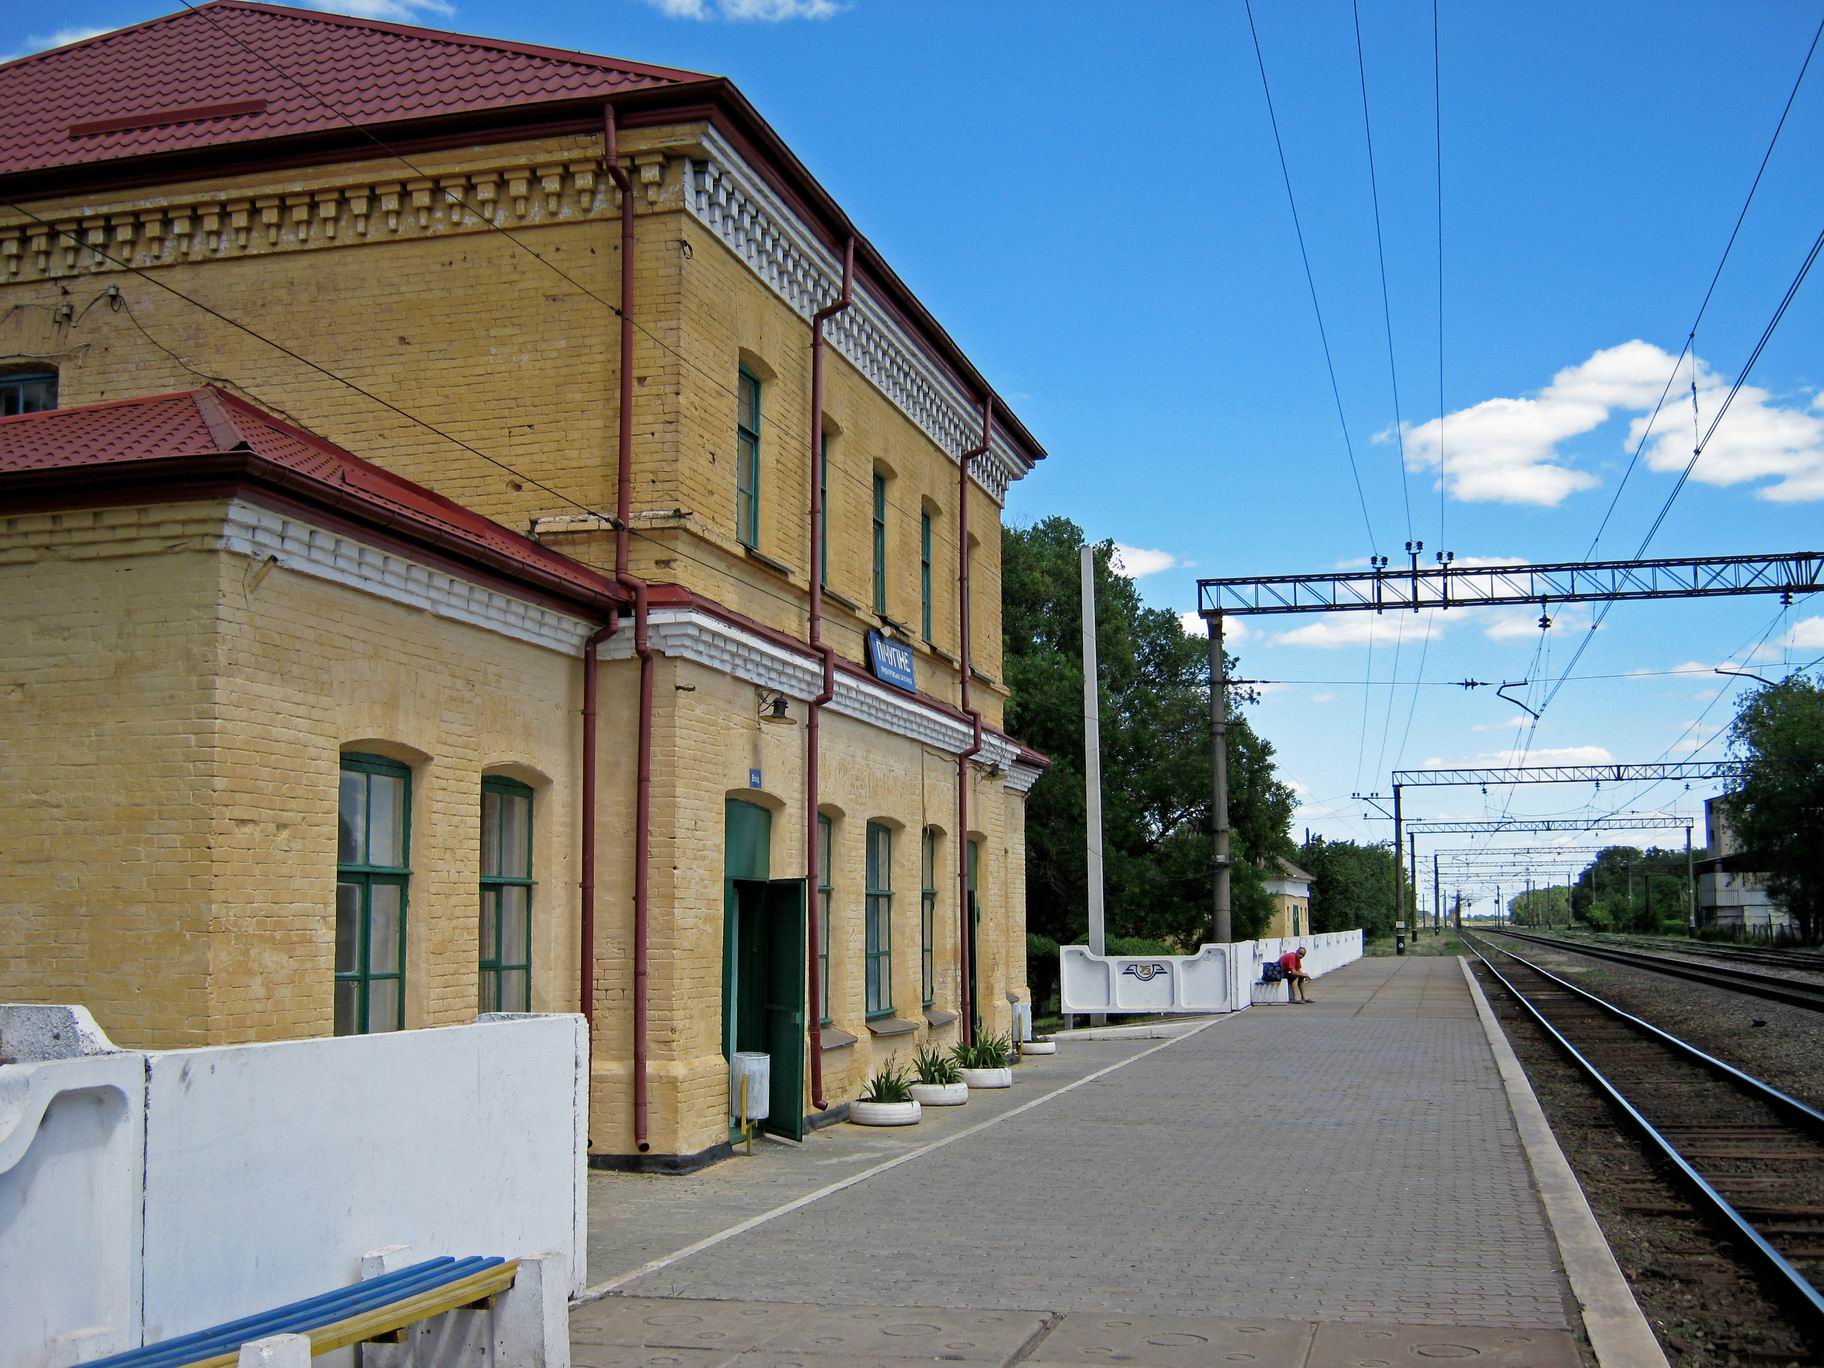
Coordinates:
940 1094
1039 1047
987 1078
884 1113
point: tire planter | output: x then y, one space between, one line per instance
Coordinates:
987 1078
884 1113
940 1094
1039 1047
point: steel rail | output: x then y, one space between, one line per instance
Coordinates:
1768 986
1795 1284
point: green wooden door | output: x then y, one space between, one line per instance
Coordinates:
782 1005
746 860
975 921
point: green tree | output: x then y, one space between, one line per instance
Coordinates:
1154 691
1778 807
1352 886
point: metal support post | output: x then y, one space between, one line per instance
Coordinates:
1219 779
1399 882
1418 913
1437 903
1092 754
1691 878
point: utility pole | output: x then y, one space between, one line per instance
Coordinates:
1437 903
1219 778
1399 882
1690 879
1092 754
1418 915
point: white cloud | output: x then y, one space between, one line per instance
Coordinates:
765 10
1806 633
1234 629
1507 450
1354 629
1323 698
1513 626
396 11
40 42
1548 755
1137 562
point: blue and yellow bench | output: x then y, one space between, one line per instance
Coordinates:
368 1310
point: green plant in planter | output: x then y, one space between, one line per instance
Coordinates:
889 1085
935 1069
989 1052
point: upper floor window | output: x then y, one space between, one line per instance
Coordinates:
374 833
506 896
924 575
747 459
879 930
27 392
880 544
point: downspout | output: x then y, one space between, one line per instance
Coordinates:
623 512
812 775
967 1031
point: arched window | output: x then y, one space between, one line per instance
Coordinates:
879 929
31 391
373 871
506 895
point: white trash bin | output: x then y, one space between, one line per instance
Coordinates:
1022 1022
757 1069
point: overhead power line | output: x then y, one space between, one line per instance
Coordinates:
1304 255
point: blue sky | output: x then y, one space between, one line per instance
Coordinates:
1088 196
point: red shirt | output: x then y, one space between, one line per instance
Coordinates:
1291 962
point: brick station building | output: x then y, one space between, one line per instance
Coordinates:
365 578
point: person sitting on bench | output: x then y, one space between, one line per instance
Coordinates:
1292 965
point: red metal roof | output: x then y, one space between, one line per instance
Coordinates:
232 72
208 422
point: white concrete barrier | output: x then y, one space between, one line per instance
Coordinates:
1218 978
150 1194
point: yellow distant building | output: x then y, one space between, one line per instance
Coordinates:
1290 889
299 663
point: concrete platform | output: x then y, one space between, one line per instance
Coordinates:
1339 1183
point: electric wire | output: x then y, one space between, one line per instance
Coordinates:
1304 255
1399 430
1437 126
670 548
455 197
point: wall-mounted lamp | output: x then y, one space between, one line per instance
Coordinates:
775 709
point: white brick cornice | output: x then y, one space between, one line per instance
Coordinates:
737 205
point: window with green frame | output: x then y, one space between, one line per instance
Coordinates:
880 920
747 459
374 830
927 913
826 896
823 521
506 896
924 575
880 543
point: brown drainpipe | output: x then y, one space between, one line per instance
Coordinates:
812 773
623 511
967 1031
586 979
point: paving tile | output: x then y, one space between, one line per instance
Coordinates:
676 1323
847 1332
1385 1346
761 1358
625 1356
1173 1341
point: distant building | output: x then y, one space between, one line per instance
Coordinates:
1731 890
1290 889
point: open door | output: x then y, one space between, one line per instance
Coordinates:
783 1005
975 921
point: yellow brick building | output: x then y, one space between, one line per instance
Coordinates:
1289 889
419 259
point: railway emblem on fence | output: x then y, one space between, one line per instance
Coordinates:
1146 973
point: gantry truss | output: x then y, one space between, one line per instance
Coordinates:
1568 774
1447 585
1546 825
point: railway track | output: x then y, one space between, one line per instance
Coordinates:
1769 987
1751 1158
1809 961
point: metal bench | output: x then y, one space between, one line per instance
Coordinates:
377 1307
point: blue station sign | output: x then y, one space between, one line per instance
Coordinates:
891 662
